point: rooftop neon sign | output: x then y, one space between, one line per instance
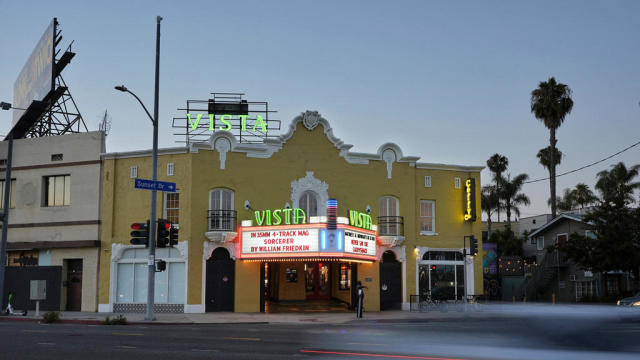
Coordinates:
225 125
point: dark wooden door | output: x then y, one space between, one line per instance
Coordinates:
74 285
318 281
390 283
219 294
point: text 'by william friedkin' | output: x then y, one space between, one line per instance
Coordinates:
279 241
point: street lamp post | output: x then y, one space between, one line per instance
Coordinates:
152 219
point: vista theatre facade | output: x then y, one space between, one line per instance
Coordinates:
291 224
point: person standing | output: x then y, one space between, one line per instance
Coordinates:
360 293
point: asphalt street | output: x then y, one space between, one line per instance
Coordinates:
487 337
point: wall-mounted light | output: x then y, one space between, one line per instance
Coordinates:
287 206
247 206
368 209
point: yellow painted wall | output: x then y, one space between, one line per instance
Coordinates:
266 183
247 287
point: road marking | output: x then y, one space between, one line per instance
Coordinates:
360 343
376 355
35 331
125 347
242 338
205 350
126 334
46 343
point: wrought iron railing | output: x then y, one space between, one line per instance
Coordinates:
390 226
222 220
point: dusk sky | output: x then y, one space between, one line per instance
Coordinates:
447 81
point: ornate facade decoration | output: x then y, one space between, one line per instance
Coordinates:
310 119
210 246
223 146
309 182
389 156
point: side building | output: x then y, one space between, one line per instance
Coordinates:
54 219
292 223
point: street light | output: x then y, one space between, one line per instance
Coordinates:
152 219
5 211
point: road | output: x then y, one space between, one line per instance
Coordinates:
487 337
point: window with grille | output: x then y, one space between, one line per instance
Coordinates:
172 207
387 215
133 172
56 157
170 168
427 216
309 203
11 196
57 190
427 181
456 182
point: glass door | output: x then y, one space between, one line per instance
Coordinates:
317 281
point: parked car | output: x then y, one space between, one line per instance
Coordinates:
630 301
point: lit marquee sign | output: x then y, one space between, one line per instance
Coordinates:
280 241
359 242
360 220
470 209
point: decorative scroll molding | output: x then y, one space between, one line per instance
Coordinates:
210 246
389 156
310 119
421 251
223 146
391 241
306 183
220 237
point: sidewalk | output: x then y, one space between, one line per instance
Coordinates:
236 318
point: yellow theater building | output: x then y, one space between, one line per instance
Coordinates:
290 224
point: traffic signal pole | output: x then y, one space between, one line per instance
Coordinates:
464 258
152 218
5 219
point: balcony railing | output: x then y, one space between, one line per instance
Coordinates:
222 220
390 226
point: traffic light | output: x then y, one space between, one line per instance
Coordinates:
173 236
433 268
140 234
473 245
162 233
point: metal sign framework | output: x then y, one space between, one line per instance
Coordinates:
235 108
57 113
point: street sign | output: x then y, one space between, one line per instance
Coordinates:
155 185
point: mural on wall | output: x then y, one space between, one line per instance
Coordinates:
490 270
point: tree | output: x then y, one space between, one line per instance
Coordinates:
497 164
507 242
566 202
544 157
550 103
490 203
583 196
615 244
511 196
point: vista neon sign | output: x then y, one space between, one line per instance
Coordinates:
226 124
360 220
470 213
280 216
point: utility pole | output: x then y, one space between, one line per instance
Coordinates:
152 219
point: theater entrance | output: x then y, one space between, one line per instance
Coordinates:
306 286
317 276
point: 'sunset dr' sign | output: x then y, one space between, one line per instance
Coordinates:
280 241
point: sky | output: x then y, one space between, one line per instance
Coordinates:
448 81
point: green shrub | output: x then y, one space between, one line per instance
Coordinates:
120 320
50 317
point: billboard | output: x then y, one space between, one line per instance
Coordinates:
36 78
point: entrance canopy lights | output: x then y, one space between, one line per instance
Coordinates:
303 259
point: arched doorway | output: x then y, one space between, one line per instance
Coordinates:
390 282
220 288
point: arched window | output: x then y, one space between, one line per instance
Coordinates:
388 212
309 203
221 214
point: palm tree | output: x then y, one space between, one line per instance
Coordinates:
550 103
617 186
544 157
497 164
490 203
583 196
511 196
566 202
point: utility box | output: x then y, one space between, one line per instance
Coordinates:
38 290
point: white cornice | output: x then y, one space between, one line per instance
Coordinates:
143 153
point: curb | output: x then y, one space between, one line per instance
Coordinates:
99 322
61 321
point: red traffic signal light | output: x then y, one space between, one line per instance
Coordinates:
162 235
433 267
140 234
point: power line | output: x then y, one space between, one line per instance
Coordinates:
586 166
